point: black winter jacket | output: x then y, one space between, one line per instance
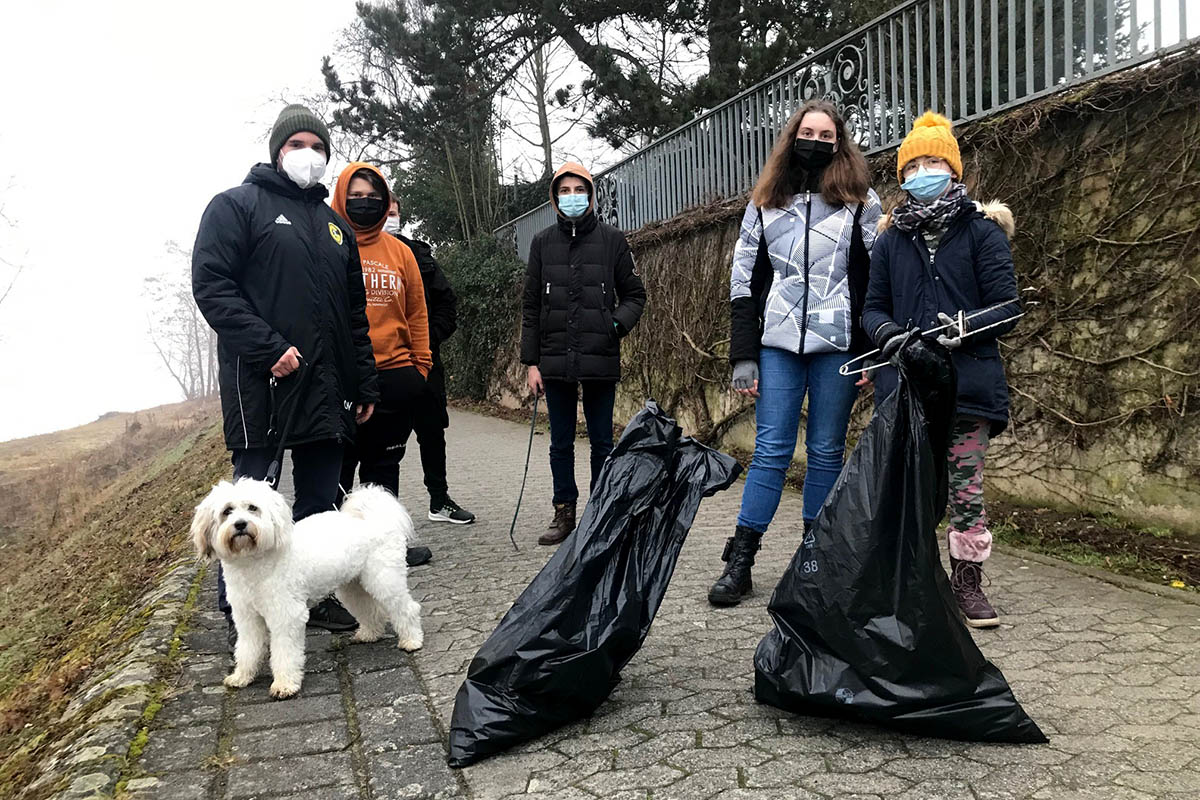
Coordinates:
972 269
442 305
580 280
274 267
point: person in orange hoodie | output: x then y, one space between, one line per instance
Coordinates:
399 333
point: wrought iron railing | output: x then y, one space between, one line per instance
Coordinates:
963 58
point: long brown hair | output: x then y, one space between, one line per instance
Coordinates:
846 180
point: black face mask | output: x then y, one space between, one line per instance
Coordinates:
365 212
812 154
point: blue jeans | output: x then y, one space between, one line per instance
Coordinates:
784 378
562 398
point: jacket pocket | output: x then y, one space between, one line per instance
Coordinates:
610 328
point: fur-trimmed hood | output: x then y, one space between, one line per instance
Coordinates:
994 210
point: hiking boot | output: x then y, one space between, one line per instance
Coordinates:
735 583
332 616
417 555
562 525
446 510
966 579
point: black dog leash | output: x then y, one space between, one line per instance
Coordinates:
528 452
294 396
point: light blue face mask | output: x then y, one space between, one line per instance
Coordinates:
573 205
926 185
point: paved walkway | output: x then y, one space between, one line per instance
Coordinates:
1111 675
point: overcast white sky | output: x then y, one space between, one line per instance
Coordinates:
120 121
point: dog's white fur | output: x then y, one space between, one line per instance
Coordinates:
275 570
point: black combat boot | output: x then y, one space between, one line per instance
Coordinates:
734 583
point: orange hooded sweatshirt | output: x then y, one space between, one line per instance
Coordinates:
395 293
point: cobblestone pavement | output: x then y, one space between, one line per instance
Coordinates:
1110 674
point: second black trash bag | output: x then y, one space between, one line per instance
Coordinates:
559 651
866 625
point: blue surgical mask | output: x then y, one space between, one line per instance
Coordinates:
573 205
926 185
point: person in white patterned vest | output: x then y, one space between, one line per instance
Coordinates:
800 271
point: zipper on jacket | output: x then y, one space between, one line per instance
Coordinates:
241 411
572 230
547 288
804 316
603 295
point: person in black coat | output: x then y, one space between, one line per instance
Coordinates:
276 274
582 295
432 419
942 260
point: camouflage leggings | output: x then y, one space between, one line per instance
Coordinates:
970 539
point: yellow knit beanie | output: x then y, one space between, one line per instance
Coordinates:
930 136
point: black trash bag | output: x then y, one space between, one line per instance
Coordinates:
559 651
866 625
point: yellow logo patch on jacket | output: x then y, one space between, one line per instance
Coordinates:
335 232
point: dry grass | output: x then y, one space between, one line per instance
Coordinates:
46 479
95 516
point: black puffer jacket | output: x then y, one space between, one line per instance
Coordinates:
580 280
274 267
442 305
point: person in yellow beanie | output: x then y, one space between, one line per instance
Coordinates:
943 260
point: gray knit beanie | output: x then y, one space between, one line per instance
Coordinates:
292 120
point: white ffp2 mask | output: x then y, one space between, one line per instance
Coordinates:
304 166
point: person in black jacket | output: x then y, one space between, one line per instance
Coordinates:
431 421
582 294
276 273
944 261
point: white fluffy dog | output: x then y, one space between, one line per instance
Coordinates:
275 570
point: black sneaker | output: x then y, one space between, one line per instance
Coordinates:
446 510
332 616
417 555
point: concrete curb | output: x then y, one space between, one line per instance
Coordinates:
1112 578
110 708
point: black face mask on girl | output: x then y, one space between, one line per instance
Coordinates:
364 212
812 154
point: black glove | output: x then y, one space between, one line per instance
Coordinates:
888 339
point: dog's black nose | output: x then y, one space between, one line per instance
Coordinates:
240 525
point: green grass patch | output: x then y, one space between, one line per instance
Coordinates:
1129 563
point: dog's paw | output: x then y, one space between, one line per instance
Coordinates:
364 636
238 680
410 643
283 689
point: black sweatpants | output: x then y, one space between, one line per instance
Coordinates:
380 442
430 425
